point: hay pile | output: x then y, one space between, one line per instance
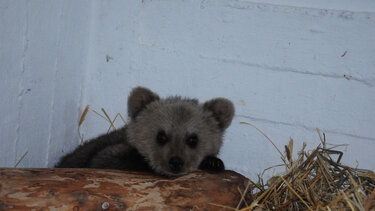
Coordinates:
313 181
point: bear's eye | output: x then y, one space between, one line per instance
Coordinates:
192 140
161 138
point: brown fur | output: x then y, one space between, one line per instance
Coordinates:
179 119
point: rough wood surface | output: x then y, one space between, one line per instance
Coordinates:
94 189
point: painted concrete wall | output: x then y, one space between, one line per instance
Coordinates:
43 57
289 68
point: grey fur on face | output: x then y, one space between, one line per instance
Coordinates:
179 119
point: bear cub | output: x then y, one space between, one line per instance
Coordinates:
171 136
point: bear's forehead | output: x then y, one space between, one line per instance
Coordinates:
179 112
173 118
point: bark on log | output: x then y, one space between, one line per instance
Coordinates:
94 189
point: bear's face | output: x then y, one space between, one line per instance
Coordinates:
174 134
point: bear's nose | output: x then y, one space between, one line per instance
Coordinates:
176 164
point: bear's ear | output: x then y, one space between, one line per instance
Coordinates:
138 99
222 109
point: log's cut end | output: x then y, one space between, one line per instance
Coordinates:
97 189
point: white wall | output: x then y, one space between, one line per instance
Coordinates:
283 66
43 56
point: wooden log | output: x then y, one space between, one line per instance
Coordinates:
97 189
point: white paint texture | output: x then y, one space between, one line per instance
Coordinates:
43 52
288 67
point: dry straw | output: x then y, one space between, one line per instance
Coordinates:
19 161
313 181
106 117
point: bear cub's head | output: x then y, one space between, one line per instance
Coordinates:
175 134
